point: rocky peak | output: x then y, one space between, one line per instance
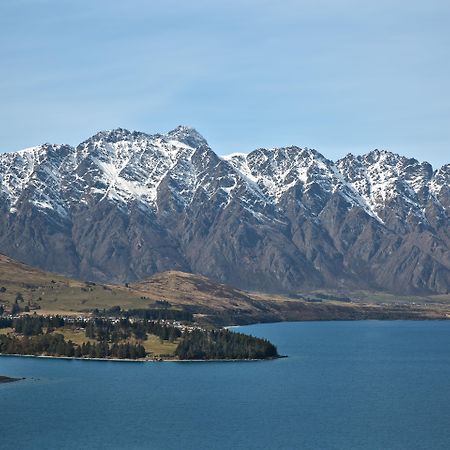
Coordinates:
187 135
441 179
275 171
381 177
113 136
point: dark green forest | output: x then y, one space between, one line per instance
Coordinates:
56 345
223 344
106 330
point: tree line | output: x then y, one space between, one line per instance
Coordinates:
106 330
101 329
33 325
56 345
223 344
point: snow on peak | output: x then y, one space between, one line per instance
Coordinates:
187 135
118 164
276 170
35 173
129 166
441 180
381 176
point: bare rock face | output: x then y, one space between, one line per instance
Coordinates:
124 205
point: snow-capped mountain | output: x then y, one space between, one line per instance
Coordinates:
123 205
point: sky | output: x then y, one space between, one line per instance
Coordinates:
339 76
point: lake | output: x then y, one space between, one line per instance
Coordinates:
345 385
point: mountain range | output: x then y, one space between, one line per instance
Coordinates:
124 205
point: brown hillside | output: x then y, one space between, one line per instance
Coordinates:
209 301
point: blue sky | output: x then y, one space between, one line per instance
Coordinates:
336 75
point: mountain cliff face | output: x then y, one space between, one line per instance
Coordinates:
124 205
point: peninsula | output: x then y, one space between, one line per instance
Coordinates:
127 335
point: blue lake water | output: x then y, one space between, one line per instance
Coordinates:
345 385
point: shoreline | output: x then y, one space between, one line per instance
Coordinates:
141 360
162 359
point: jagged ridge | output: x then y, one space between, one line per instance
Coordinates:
123 205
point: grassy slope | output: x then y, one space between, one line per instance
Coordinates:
153 344
55 293
215 302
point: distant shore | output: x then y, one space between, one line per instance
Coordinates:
8 379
